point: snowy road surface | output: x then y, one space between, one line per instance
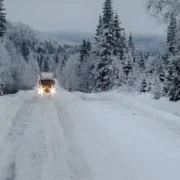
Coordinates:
86 137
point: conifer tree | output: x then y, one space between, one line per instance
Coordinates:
141 62
83 50
172 35
99 30
123 46
143 86
25 50
2 19
174 80
117 36
107 13
131 46
104 70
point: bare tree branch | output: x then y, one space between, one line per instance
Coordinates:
162 9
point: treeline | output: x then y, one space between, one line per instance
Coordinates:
112 62
25 52
168 12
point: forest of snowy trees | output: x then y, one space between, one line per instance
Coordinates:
25 52
111 63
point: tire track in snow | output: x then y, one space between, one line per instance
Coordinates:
79 168
13 141
55 165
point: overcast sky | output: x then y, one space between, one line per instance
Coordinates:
79 15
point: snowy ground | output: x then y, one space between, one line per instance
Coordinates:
77 136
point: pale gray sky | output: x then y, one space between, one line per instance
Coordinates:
79 15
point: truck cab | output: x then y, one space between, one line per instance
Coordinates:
47 84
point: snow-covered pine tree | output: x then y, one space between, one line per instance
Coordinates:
108 14
83 65
143 86
104 69
172 35
140 61
25 50
99 29
174 81
127 64
83 51
123 46
118 33
178 36
131 47
46 65
2 18
98 37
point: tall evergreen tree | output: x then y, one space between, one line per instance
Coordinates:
104 70
123 46
141 62
172 35
88 46
2 18
117 36
83 50
131 46
99 30
143 86
25 50
174 82
178 36
107 13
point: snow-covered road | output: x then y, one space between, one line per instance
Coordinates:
86 137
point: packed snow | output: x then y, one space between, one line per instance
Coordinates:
88 137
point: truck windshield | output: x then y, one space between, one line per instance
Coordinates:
46 82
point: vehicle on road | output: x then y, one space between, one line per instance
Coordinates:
47 84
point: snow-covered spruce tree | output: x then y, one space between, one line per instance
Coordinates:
127 64
123 46
119 53
118 33
25 50
174 82
46 65
2 18
178 36
143 86
104 69
69 75
171 81
156 87
131 47
172 35
5 62
85 51
140 61
98 37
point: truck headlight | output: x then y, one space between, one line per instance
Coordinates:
40 91
53 91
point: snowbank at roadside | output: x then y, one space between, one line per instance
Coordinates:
161 109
